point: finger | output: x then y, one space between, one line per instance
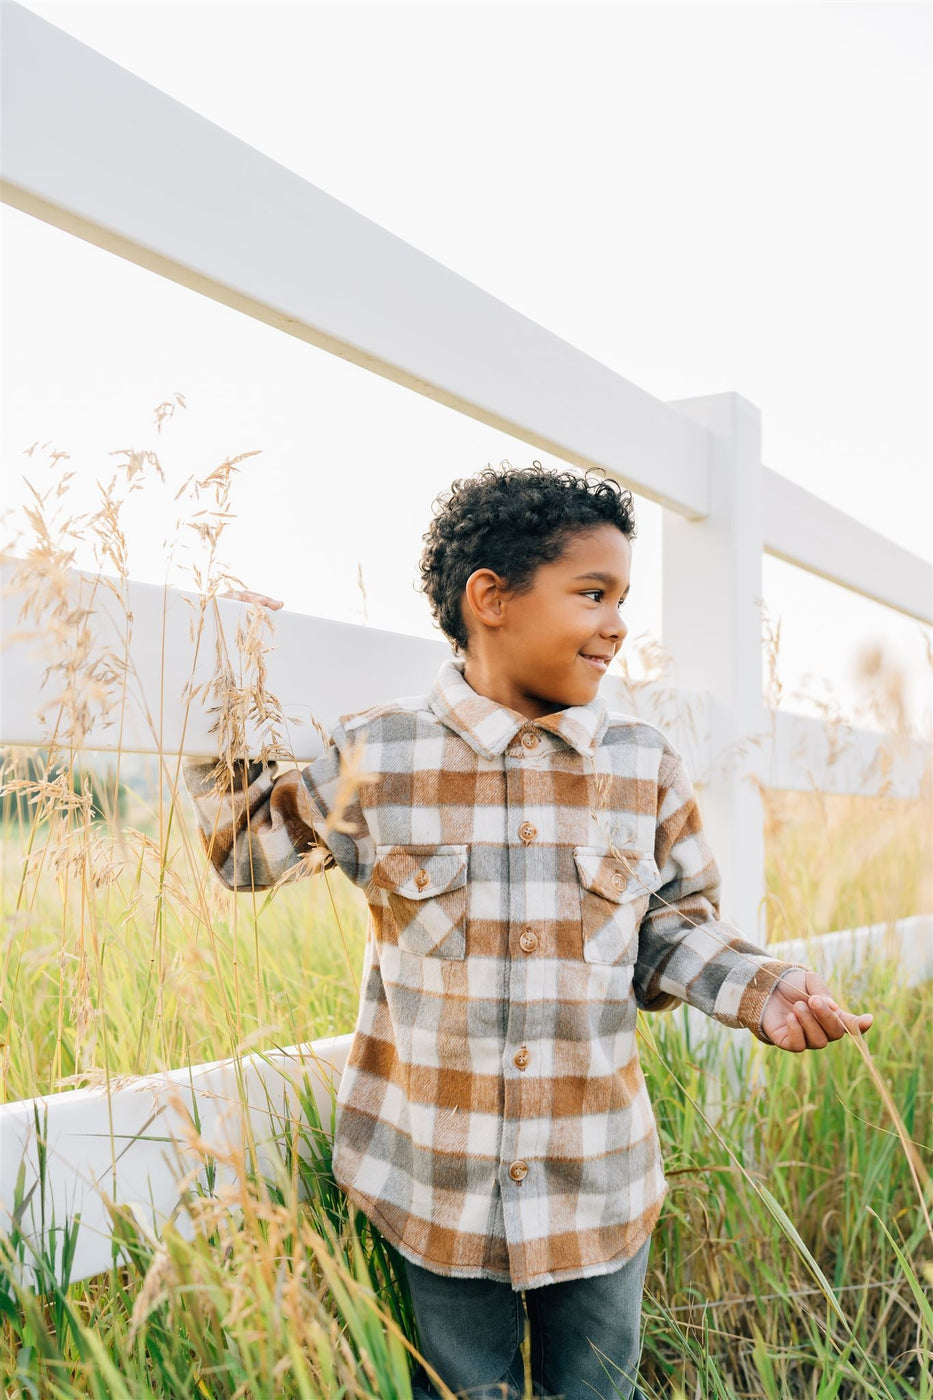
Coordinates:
816 987
827 1017
260 598
849 1022
858 1025
790 1036
797 1040
855 1025
816 1037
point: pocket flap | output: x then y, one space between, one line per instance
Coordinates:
615 878
420 872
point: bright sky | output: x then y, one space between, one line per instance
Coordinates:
706 197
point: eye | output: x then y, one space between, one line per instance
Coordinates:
598 593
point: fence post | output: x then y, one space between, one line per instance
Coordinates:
711 625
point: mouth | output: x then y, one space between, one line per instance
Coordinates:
600 664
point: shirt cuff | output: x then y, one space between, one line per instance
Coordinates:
742 998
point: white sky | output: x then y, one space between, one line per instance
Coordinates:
706 197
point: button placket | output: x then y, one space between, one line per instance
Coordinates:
526 745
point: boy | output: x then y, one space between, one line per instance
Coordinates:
536 870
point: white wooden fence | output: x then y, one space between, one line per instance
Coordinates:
84 149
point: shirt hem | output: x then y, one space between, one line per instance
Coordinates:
602 1266
605 1266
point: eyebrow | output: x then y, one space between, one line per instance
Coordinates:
600 578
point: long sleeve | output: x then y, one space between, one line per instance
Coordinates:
686 952
263 822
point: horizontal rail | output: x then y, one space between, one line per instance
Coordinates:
139 1143
148 638
807 755
231 223
134 1142
804 530
160 647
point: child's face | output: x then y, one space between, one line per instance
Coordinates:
544 651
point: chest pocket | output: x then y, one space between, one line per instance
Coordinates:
426 890
614 897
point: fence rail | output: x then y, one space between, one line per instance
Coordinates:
140 1142
164 644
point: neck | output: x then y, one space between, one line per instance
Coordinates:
492 684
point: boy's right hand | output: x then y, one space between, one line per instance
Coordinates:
800 1014
243 596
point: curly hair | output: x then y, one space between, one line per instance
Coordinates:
511 520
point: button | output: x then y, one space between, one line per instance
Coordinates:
530 739
619 881
527 832
521 1057
518 1171
422 878
528 941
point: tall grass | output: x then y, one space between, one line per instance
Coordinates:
792 1258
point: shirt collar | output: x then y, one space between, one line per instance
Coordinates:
489 728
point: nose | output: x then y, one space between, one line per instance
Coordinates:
614 626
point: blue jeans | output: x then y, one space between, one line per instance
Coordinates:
472 1329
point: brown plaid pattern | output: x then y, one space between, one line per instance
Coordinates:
531 883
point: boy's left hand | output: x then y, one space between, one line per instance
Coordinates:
800 1014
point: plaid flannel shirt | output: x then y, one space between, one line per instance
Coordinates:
531 883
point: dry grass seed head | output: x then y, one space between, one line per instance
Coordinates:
159 1279
165 411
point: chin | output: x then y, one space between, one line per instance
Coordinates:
565 696
580 695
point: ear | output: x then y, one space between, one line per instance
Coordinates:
484 597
